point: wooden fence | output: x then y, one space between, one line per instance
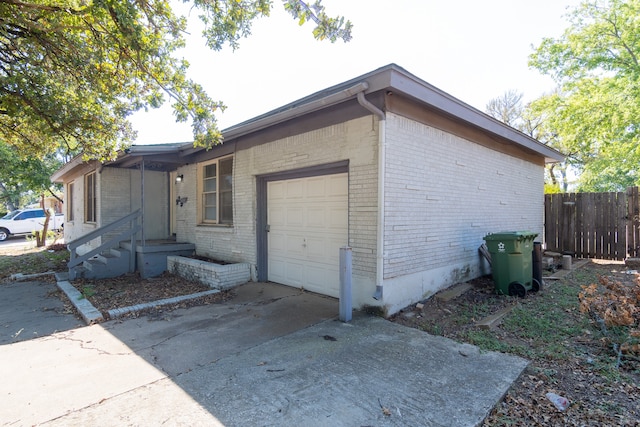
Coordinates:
594 225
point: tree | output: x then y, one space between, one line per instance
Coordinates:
595 112
20 176
72 71
510 110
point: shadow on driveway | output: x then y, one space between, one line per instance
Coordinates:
31 310
271 356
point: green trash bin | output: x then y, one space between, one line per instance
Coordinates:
511 262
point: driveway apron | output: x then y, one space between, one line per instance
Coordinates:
272 356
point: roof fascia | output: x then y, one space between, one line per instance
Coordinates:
67 168
409 85
395 79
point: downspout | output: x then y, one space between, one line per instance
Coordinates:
381 172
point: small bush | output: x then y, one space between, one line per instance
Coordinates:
615 307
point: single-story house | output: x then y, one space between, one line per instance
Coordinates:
407 176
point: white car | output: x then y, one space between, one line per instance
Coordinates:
26 221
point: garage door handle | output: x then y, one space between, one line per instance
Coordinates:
267 228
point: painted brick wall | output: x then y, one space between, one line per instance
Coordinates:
121 195
186 214
78 227
355 141
115 195
214 275
444 194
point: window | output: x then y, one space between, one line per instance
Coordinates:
216 201
90 214
70 202
30 214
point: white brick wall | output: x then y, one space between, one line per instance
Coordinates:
355 141
213 275
443 194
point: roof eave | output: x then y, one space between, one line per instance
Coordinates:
409 85
396 79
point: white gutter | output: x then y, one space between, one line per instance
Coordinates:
381 200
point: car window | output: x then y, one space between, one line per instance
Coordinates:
11 214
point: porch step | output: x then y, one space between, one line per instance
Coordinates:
114 256
96 269
112 263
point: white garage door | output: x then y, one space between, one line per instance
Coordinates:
308 224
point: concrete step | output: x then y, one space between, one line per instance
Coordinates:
105 266
120 252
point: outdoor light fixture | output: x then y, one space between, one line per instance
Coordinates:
179 178
181 200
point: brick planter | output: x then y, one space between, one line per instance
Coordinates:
216 276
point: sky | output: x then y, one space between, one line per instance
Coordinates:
473 50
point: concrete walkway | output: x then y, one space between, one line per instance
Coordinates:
272 356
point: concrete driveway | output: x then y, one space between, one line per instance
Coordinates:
29 310
272 356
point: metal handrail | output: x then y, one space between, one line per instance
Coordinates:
75 260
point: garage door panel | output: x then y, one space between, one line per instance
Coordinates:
277 216
277 243
277 190
294 189
276 269
295 246
337 186
295 216
294 273
317 248
316 188
317 217
303 247
322 277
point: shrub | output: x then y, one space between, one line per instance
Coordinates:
615 307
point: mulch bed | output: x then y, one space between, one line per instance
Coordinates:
131 289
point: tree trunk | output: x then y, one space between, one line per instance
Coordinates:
8 199
41 236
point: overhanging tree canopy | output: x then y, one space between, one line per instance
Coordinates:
72 71
595 113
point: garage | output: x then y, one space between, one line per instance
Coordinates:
307 222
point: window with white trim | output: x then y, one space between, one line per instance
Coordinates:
216 191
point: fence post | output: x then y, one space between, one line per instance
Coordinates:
568 225
633 222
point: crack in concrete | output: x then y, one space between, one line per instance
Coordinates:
85 347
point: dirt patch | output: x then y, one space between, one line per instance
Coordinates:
449 317
131 289
568 353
